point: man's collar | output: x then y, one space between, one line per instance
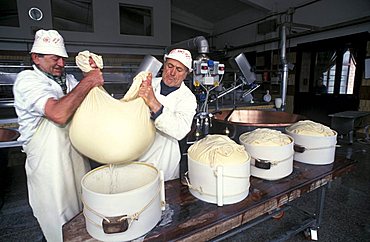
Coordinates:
50 75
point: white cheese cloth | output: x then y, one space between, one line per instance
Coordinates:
82 60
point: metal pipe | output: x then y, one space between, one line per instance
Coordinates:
284 62
200 43
227 91
283 43
250 90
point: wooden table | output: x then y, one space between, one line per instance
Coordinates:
195 220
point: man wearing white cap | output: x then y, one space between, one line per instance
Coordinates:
45 99
173 107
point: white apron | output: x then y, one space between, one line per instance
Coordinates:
165 155
172 125
54 171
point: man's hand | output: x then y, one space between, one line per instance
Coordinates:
94 77
147 93
60 111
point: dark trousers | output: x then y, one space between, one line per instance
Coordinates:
4 176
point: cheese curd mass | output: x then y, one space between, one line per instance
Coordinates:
308 127
109 130
218 150
265 137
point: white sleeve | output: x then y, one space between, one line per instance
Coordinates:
34 91
176 119
71 82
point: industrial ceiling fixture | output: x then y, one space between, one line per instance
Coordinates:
35 14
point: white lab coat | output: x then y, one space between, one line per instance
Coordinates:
54 168
31 91
172 125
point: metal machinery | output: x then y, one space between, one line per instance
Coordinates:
207 76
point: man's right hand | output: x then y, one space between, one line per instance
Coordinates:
94 77
60 111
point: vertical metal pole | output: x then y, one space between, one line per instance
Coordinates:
284 62
320 205
217 105
234 93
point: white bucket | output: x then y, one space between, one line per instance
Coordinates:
273 162
131 190
220 185
314 150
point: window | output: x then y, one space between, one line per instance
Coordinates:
72 15
348 73
135 20
347 64
334 74
9 13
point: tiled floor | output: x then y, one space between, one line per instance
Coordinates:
16 219
346 216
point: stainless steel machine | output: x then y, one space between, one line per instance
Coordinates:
208 76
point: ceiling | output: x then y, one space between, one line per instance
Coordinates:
208 12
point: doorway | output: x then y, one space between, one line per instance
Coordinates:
328 76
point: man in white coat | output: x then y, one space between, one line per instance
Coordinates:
45 99
173 107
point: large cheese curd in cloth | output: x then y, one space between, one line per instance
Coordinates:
109 130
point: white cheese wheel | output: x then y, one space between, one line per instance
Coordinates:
311 128
265 137
218 150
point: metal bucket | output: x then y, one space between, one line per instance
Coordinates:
8 138
7 135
